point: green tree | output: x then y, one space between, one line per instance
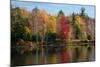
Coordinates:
82 12
73 18
60 13
19 21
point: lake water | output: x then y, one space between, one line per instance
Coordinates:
72 52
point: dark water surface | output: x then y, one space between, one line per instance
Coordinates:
46 55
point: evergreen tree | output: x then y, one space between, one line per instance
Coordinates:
73 18
82 12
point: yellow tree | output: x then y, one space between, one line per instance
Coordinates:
24 12
52 24
80 23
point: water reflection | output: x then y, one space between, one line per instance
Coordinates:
72 52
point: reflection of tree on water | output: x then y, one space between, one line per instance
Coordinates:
55 54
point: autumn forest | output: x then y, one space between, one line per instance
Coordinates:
38 37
